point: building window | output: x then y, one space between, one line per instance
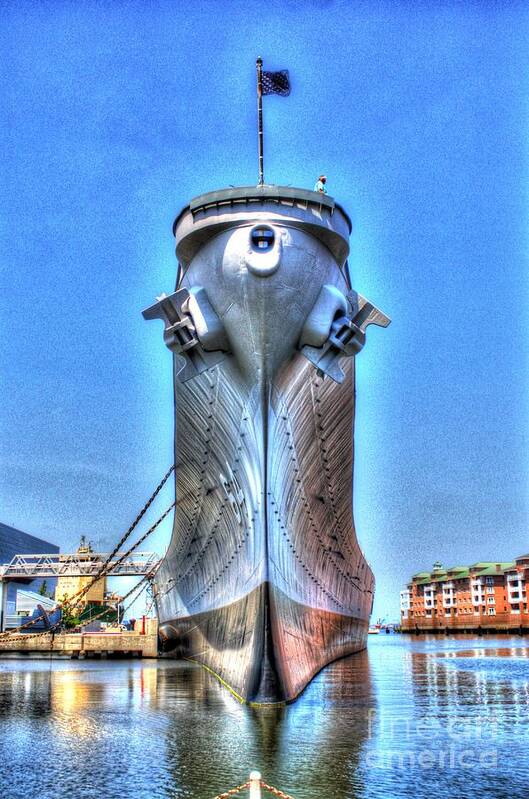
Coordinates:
492 612
490 589
489 580
490 600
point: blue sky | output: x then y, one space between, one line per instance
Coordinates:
117 113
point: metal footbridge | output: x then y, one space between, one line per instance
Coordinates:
32 567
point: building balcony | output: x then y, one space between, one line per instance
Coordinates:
405 600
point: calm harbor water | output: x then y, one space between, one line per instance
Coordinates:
411 717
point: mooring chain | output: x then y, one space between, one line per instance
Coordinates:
148 576
9 633
264 785
233 791
275 791
151 529
105 566
125 555
14 638
144 579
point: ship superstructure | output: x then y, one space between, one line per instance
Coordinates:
264 581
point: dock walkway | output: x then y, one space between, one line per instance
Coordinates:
81 645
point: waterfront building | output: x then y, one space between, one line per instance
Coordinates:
485 595
15 542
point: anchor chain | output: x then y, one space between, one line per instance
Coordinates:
129 551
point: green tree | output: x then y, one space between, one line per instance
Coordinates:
69 617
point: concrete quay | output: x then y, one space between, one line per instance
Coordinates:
83 645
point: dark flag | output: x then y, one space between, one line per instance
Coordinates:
276 83
267 83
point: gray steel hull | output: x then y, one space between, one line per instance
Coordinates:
264 581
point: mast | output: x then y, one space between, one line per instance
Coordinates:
259 65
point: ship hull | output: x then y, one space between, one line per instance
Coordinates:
291 643
264 582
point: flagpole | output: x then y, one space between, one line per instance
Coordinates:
259 64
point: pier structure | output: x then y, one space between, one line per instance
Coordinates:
486 596
76 566
140 642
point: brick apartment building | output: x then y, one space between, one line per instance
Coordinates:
484 596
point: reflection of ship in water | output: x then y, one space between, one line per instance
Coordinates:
311 748
141 729
264 581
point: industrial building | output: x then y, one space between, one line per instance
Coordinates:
69 585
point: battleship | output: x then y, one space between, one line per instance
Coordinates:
264 582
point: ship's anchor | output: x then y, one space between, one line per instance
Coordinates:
192 330
348 320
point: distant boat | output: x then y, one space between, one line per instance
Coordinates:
374 629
